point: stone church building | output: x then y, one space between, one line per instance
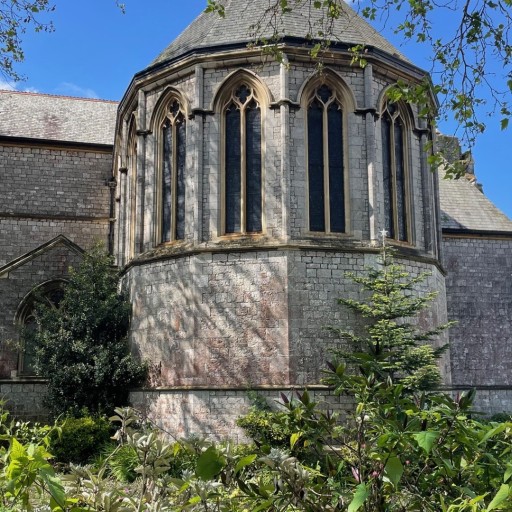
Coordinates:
235 192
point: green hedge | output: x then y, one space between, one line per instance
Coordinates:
80 439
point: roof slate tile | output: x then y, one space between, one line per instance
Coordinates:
57 118
209 29
465 207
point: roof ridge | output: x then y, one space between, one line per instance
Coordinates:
66 97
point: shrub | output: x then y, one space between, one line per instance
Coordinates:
122 463
80 439
82 346
266 428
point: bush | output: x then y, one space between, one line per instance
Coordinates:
501 417
82 346
266 428
80 439
122 463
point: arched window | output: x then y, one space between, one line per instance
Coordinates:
395 175
242 178
131 203
49 294
325 161
173 150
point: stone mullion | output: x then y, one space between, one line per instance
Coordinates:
243 169
325 149
174 180
392 155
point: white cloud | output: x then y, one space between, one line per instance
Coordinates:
7 86
70 89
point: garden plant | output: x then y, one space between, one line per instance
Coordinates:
404 447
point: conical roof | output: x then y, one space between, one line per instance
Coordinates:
210 30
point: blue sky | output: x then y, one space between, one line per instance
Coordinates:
95 50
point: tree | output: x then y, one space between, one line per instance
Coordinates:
464 58
471 62
82 347
15 17
390 347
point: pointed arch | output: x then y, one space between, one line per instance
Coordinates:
159 111
332 79
396 127
131 192
234 79
49 293
241 102
326 100
169 124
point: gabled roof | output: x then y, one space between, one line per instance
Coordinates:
465 208
209 30
57 118
59 240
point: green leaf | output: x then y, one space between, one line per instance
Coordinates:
504 123
360 497
294 438
394 470
209 464
496 430
426 439
500 497
508 474
245 461
17 449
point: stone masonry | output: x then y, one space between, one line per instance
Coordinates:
214 313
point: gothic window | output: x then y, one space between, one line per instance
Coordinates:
394 168
173 174
49 294
242 162
325 147
132 191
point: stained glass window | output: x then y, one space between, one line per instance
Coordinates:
173 174
394 174
325 162
243 163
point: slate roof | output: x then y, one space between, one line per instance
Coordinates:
57 118
209 29
465 207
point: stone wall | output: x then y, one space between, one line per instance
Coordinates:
24 398
479 296
238 320
213 413
16 285
212 319
50 191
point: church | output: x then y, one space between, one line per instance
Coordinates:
235 192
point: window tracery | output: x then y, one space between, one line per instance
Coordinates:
48 294
173 132
243 196
395 174
325 150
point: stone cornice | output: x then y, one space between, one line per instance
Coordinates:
345 245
